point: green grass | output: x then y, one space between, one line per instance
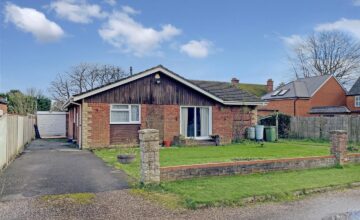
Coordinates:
76 198
110 157
56 139
198 155
228 190
242 151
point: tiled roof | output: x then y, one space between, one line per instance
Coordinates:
355 89
255 89
226 91
300 88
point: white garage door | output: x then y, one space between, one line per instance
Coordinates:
51 124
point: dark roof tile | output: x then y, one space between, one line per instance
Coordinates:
355 89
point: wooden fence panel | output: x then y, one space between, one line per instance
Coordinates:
15 132
320 127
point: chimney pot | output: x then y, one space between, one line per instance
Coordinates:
270 85
234 81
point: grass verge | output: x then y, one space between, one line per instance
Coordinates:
277 186
110 158
75 198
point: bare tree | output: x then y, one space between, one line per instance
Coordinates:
327 53
61 88
83 77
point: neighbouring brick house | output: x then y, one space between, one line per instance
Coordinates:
160 99
3 106
319 95
353 98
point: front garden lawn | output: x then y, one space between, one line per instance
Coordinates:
229 190
241 151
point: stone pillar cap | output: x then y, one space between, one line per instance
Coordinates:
143 131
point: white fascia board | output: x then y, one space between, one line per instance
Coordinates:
245 103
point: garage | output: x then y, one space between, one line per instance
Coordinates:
51 124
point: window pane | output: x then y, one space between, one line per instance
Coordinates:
120 107
119 116
135 113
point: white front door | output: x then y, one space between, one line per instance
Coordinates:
196 122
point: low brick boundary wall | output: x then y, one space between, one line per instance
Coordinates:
353 158
246 167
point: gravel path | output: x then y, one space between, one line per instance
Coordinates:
123 205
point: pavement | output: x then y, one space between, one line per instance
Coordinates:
50 167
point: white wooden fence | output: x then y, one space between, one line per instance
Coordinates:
15 132
319 127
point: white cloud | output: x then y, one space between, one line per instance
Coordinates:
129 10
34 22
130 36
110 2
356 2
292 40
78 11
351 26
197 49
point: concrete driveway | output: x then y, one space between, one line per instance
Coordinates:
49 167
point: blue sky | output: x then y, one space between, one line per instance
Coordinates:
213 40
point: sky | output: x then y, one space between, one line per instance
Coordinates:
202 39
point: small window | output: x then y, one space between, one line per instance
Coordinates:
125 114
357 101
283 92
275 93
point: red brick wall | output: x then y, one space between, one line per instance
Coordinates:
284 106
3 107
70 124
98 125
171 121
231 122
350 103
165 118
152 116
330 94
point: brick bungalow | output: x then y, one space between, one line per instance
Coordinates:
159 98
353 98
319 95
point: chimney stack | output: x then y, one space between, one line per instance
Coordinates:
234 81
270 85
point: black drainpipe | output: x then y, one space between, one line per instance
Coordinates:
295 106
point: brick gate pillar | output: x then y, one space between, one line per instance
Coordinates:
149 151
339 139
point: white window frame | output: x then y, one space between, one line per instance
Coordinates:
125 110
210 122
357 101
